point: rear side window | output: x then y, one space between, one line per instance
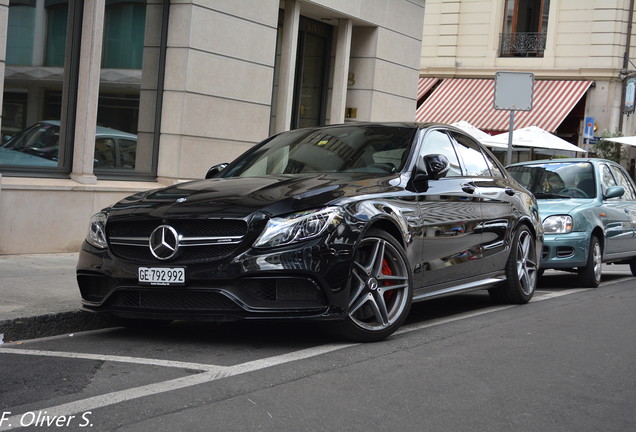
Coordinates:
475 163
623 180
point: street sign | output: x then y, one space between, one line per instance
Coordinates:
514 91
588 131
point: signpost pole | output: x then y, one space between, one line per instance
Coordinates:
511 128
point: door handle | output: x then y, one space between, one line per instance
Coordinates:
510 191
468 188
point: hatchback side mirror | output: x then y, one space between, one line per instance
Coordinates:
614 192
215 170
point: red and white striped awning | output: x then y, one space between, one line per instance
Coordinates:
472 100
425 85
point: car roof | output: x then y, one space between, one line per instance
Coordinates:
561 160
100 130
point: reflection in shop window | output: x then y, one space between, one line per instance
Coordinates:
124 35
38 90
57 17
20 32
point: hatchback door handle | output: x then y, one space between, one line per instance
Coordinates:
510 191
468 188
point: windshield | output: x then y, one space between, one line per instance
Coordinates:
41 139
557 179
369 149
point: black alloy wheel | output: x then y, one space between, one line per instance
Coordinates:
381 290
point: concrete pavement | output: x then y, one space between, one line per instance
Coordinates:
39 297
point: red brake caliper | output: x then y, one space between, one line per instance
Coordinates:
386 270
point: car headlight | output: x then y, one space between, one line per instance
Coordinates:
298 227
97 231
559 224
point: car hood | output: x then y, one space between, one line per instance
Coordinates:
548 207
240 197
13 157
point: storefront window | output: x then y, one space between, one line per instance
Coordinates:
20 32
57 18
124 28
33 86
129 34
41 84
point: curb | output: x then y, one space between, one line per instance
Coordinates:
52 325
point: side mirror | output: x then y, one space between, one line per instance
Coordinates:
6 139
614 192
216 170
437 166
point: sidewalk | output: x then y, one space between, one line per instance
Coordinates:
39 297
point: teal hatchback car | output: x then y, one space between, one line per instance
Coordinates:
588 210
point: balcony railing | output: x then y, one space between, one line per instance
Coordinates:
521 44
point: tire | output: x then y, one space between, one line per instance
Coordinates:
381 290
522 270
632 266
590 273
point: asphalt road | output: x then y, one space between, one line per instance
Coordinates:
564 362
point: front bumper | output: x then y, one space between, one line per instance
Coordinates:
561 251
308 282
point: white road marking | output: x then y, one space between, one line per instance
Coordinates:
209 372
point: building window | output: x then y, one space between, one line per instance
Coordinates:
40 94
124 35
20 32
57 19
524 28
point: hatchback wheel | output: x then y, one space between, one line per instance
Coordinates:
590 274
381 290
521 270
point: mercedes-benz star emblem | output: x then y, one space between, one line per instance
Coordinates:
164 242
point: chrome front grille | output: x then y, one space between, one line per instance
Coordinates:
200 240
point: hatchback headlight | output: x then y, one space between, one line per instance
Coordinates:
299 226
559 224
97 231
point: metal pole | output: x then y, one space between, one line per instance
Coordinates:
511 128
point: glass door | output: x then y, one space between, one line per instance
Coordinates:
314 42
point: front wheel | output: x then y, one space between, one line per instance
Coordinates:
380 290
590 273
521 270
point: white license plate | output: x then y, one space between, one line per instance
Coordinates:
164 276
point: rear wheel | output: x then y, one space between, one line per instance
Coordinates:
521 270
381 290
590 274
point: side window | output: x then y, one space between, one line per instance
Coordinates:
607 179
472 157
127 153
104 153
495 168
437 142
623 180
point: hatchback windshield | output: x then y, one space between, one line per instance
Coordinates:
41 139
557 179
373 149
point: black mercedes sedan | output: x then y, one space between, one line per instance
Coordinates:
347 224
